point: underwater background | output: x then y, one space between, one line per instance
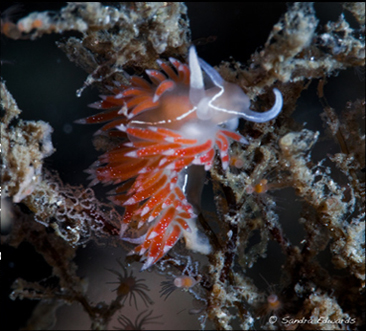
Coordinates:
44 82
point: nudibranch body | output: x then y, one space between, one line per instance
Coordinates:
174 121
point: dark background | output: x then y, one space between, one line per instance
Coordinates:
44 84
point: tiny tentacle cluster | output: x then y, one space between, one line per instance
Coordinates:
172 122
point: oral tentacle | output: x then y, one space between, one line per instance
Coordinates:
268 115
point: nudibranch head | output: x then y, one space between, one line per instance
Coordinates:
224 101
172 122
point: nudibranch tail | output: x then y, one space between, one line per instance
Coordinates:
170 122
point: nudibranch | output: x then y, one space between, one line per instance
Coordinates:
178 119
